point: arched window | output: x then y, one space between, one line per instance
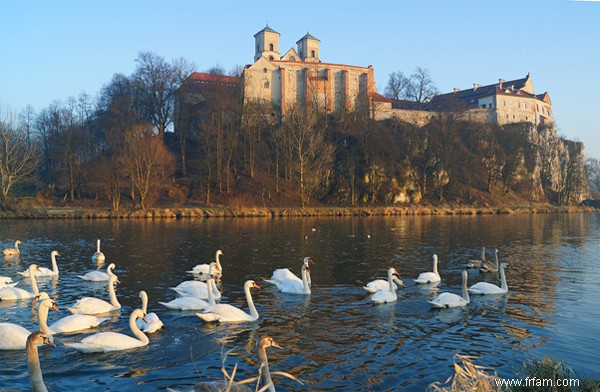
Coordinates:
267 84
271 58
312 53
271 47
292 58
264 70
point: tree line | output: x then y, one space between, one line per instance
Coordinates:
144 138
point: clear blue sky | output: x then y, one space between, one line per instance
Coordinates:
50 50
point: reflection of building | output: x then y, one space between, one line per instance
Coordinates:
298 78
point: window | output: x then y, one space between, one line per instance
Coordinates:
503 103
312 53
292 58
267 84
271 47
483 106
519 105
264 70
271 58
526 118
525 105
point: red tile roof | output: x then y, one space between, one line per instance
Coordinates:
212 78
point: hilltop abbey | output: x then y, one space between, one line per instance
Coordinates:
278 82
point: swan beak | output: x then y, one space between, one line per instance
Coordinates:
144 318
48 342
274 344
35 300
58 254
54 307
256 286
310 261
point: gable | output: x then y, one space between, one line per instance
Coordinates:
262 63
291 55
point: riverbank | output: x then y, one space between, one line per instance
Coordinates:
275 212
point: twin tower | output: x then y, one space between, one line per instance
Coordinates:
267 45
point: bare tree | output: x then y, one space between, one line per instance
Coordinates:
27 117
146 161
398 86
157 83
313 154
19 158
421 86
592 171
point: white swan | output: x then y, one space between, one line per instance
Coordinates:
99 276
226 313
192 303
13 336
287 282
6 281
490 288
388 295
14 293
196 288
91 305
98 257
382 284
43 271
430 277
204 269
451 300
488 266
12 251
114 341
72 323
477 263
152 322
33 360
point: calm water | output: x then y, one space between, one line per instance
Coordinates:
334 339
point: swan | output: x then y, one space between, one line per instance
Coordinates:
287 282
226 313
263 362
192 303
98 257
6 281
477 263
114 341
489 288
382 284
196 288
488 266
13 336
43 271
389 295
72 323
99 276
204 269
91 305
152 322
450 300
13 251
33 360
10 293
430 277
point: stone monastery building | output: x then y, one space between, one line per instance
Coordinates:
278 83
298 77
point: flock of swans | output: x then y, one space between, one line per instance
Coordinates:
201 295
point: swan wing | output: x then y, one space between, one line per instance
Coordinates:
224 313
14 293
153 323
200 269
186 303
448 300
384 296
91 305
428 277
485 288
378 285
95 276
13 336
283 274
292 286
76 322
106 342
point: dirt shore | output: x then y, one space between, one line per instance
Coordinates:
227 212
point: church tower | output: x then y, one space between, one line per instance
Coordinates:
267 44
308 48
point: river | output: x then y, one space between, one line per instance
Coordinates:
334 339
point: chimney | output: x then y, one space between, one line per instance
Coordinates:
500 81
456 89
476 86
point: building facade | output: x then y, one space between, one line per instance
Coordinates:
299 79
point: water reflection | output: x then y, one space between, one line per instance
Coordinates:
333 335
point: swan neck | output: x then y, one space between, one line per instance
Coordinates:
435 263
54 265
34 285
483 253
504 286
35 371
251 306
265 373
391 281
145 303
209 289
465 291
305 275
98 246
136 331
43 319
113 295
217 256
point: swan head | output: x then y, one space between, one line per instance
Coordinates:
138 314
50 304
465 276
143 295
267 341
251 284
219 253
503 265
41 296
110 267
54 253
435 258
37 338
17 242
33 268
308 261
